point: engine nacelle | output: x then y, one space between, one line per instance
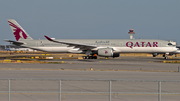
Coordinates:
107 52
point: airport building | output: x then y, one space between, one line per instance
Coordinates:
3 47
14 48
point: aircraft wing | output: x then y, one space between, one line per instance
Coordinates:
75 45
14 42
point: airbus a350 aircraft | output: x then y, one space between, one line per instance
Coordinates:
92 47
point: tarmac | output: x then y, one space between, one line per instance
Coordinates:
146 64
40 82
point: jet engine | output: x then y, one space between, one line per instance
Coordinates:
107 52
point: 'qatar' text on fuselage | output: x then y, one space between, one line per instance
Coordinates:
141 44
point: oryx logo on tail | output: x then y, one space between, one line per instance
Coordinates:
18 33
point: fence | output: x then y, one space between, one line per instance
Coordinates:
105 86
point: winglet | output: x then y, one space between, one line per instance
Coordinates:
48 38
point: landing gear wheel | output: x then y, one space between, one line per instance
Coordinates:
94 57
90 57
84 57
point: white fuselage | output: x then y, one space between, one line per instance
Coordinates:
117 49
119 46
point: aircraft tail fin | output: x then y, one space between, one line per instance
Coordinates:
18 31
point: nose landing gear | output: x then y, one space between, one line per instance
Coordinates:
166 56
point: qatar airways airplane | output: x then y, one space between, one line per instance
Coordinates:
92 47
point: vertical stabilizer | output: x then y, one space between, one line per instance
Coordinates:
18 31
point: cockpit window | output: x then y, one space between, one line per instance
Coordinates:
170 44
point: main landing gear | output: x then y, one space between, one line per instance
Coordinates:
89 57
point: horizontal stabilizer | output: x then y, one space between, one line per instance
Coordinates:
14 42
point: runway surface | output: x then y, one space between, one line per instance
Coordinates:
45 89
148 64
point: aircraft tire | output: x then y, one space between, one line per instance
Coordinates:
90 57
84 57
94 57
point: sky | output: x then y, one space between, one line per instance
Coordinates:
92 19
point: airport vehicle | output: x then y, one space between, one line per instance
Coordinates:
9 49
18 50
92 47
